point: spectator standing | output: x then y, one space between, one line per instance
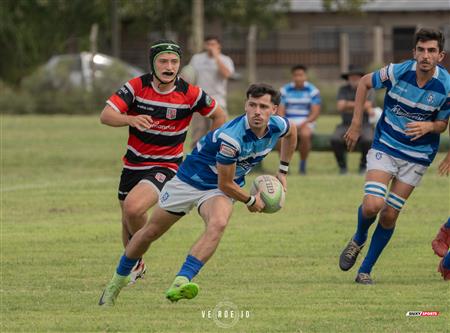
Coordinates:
212 71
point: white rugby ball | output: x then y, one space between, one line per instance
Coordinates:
271 192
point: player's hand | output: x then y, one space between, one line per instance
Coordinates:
417 129
444 166
258 206
351 136
282 178
142 122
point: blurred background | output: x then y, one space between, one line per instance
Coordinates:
61 56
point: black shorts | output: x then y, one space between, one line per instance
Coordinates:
130 178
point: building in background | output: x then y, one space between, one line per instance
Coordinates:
382 32
325 41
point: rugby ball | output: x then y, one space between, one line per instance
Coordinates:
271 191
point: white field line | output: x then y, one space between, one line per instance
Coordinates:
35 186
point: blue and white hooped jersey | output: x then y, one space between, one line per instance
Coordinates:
298 101
405 102
233 142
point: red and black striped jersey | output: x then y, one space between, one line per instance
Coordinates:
171 111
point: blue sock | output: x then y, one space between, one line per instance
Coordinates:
364 224
303 166
380 238
446 262
126 265
191 267
447 224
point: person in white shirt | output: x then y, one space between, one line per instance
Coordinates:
212 71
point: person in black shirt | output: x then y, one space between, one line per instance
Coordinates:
345 105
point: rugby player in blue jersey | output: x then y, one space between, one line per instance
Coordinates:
211 178
300 103
416 111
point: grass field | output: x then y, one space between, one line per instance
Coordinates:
60 242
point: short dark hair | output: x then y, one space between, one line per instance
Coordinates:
260 89
297 67
212 37
426 34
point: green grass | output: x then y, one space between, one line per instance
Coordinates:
60 242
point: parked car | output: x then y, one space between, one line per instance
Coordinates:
77 83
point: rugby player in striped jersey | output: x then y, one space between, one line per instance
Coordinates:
157 107
416 111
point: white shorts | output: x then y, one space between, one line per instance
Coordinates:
406 172
180 197
300 120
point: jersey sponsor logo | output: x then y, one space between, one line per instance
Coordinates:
384 74
399 111
160 177
227 150
171 113
156 125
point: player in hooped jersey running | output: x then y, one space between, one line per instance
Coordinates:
158 108
416 110
211 178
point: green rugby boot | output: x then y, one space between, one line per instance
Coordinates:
113 289
181 288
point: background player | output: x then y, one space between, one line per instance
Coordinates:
300 103
406 141
158 108
211 178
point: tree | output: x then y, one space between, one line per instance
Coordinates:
252 15
33 30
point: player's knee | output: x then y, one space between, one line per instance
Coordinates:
388 217
372 206
217 226
305 135
151 233
132 210
374 194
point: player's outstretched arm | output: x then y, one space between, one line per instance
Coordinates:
111 117
227 185
352 135
218 118
287 150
